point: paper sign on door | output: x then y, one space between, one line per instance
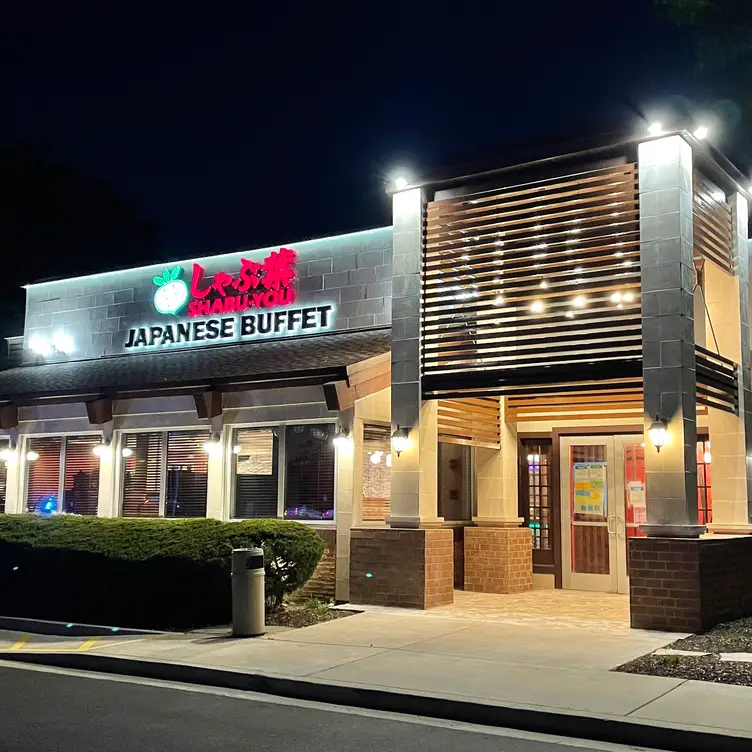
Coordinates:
589 481
636 500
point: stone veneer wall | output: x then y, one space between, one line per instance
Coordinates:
401 567
498 559
689 585
322 583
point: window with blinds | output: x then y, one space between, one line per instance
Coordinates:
166 475
142 475
309 472
377 472
3 478
44 473
187 474
81 475
256 453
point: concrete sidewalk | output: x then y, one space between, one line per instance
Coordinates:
559 672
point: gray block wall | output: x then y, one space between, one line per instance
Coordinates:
352 272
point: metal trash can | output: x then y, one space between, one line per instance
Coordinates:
248 603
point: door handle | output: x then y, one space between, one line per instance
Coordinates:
611 518
621 527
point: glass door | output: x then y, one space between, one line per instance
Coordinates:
602 506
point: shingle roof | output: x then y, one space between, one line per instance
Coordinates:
315 359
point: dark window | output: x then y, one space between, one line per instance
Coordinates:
535 491
309 472
43 486
455 482
256 457
81 492
187 474
165 474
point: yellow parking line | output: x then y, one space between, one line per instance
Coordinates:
88 643
20 642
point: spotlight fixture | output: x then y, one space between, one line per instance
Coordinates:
342 439
655 129
701 132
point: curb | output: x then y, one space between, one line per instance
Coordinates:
556 723
61 628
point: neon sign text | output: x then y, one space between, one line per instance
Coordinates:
258 285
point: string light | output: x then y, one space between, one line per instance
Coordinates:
537 306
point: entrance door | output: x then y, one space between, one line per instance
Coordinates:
602 504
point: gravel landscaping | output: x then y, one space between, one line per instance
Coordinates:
734 637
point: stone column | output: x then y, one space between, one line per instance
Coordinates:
415 471
498 552
343 515
742 258
407 564
666 250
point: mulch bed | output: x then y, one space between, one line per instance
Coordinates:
733 637
296 615
705 668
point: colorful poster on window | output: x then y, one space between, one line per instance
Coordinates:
589 482
636 500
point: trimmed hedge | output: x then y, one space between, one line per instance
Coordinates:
144 573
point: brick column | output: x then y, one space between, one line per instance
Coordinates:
411 562
498 552
665 169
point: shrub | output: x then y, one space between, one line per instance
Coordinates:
139 572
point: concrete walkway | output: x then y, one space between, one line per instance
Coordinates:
561 668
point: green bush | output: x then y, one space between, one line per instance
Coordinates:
139 572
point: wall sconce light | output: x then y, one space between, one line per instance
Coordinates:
103 449
212 447
658 432
342 439
400 440
9 455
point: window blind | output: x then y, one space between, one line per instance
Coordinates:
81 490
309 472
256 472
187 474
377 474
44 472
142 475
3 479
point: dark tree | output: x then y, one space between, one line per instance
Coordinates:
58 221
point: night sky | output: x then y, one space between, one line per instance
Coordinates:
243 124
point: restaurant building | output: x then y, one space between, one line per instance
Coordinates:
538 377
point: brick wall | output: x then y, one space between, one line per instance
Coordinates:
322 583
353 272
689 585
498 559
409 568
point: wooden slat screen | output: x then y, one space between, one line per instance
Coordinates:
142 475
3 478
377 474
712 223
81 490
44 473
257 472
187 474
527 282
309 472
576 401
717 381
470 421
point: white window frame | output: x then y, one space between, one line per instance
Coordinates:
117 443
281 465
23 442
